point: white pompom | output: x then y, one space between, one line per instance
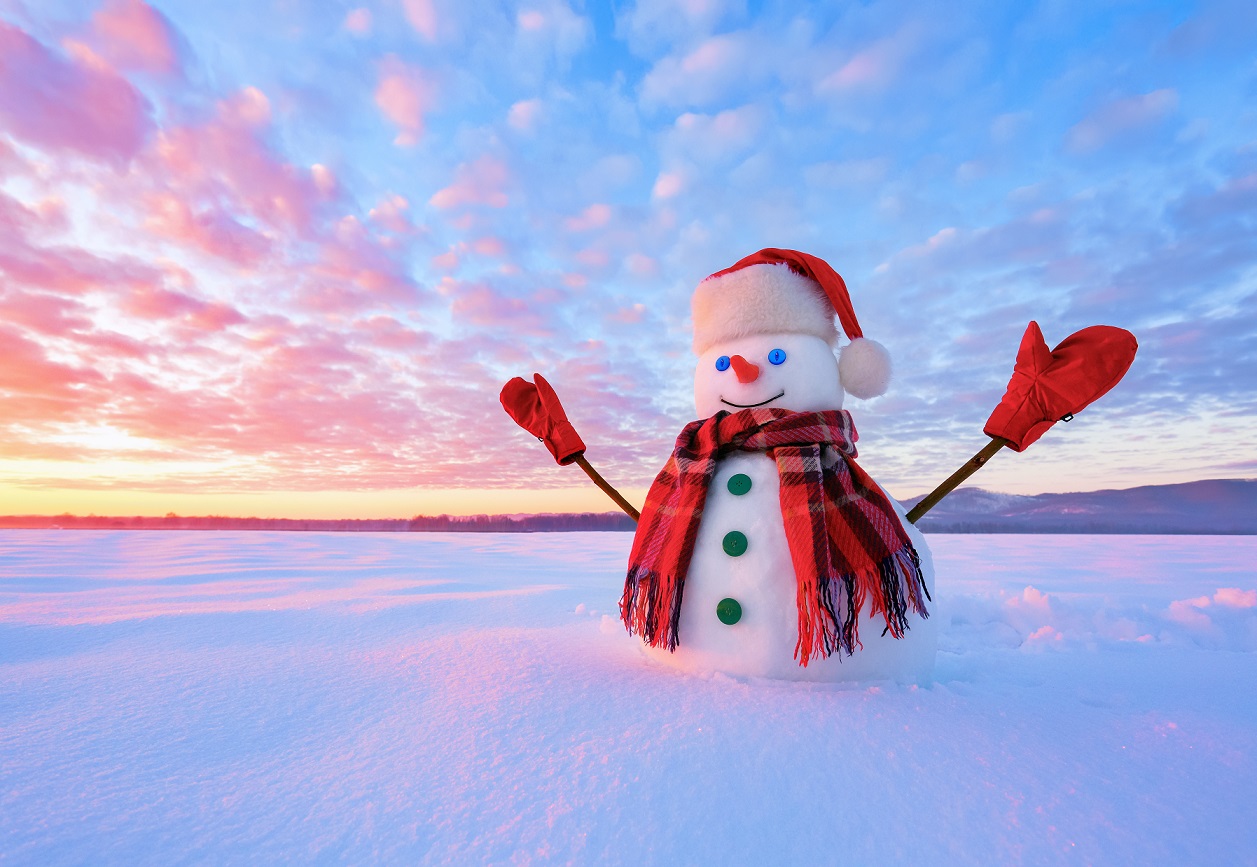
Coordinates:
864 368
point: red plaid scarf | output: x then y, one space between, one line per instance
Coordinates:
847 544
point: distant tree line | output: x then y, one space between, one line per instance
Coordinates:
616 521
583 521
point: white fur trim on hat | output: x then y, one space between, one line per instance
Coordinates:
864 368
760 299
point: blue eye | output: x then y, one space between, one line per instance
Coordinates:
722 363
777 356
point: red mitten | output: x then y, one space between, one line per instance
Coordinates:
536 409
1048 386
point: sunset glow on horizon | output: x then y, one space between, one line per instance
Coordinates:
278 259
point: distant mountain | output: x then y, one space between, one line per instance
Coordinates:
1214 507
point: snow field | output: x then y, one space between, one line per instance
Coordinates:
171 697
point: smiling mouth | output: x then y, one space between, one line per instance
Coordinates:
781 393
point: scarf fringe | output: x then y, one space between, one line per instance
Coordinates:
647 595
896 586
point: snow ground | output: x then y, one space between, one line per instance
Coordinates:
170 697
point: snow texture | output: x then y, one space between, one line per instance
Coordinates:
170 697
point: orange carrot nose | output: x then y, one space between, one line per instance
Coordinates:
746 371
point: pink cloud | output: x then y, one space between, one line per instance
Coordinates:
65 269
112 345
423 17
668 185
73 103
48 315
524 115
248 107
1234 597
135 36
354 274
403 95
358 21
27 371
388 333
155 303
873 68
489 246
594 217
447 261
482 182
324 180
485 307
391 214
215 232
628 315
225 160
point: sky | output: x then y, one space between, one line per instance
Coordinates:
278 258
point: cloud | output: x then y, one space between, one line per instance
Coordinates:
874 68
391 213
154 303
69 103
28 373
226 161
708 139
44 314
248 107
134 36
324 180
706 74
422 16
214 231
668 185
652 24
1120 119
358 21
1234 597
594 217
483 306
479 183
524 114
553 25
64 269
403 94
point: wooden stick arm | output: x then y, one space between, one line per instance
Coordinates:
607 489
953 481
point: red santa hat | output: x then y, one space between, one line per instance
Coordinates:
788 292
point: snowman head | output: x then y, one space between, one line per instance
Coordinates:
765 336
798 372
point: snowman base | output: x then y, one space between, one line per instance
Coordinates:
907 660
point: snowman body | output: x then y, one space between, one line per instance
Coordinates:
741 552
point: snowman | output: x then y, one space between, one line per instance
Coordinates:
764 550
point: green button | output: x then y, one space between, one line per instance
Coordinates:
739 484
729 611
735 543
